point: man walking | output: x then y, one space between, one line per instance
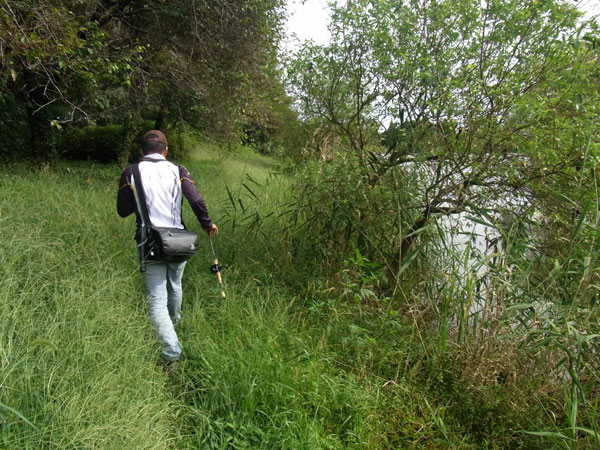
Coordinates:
164 184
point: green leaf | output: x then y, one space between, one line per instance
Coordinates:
18 414
520 306
550 434
481 222
588 431
250 190
231 200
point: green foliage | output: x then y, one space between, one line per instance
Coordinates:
336 212
270 387
95 143
103 143
58 55
14 132
473 377
218 77
273 127
361 278
277 364
513 299
506 115
493 124
74 351
213 70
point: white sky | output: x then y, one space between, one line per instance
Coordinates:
590 7
307 19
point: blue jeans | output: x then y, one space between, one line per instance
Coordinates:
163 294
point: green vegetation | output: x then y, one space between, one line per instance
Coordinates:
288 360
453 105
207 65
415 264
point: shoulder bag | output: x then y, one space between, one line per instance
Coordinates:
160 243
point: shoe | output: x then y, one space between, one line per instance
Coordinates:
166 359
169 365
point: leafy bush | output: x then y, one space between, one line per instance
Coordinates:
14 133
337 211
101 143
96 143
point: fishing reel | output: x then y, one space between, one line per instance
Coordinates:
216 268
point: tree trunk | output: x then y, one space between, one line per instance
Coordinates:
159 123
39 137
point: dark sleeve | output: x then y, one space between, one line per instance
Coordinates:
194 198
125 197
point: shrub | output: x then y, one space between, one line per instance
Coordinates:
14 133
101 143
97 143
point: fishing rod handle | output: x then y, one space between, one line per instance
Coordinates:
218 273
219 279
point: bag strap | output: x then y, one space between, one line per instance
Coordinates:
141 197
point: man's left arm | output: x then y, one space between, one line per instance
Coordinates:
125 197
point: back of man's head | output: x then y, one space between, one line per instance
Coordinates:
154 141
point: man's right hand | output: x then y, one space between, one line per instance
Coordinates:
213 231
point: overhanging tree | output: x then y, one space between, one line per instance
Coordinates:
487 100
53 55
198 62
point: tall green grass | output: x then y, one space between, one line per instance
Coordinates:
75 352
286 361
78 356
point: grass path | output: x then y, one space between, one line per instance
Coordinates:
77 355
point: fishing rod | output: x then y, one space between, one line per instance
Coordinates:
216 268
